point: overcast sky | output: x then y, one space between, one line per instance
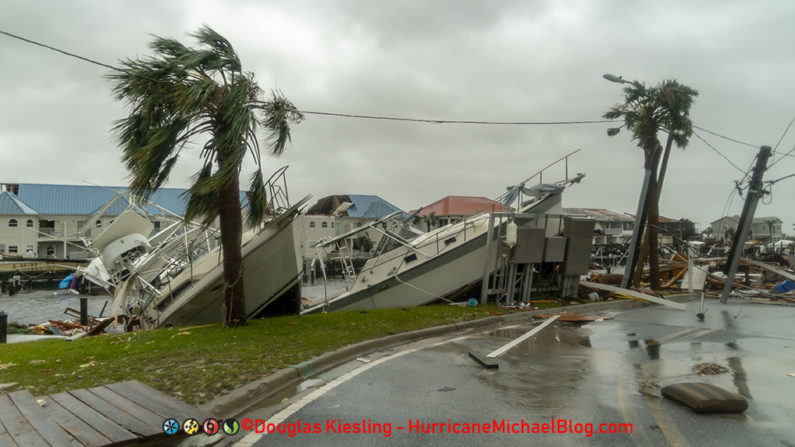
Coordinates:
444 60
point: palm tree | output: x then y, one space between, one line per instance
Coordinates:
182 93
431 220
646 111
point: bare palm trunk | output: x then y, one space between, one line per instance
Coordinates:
652 233
234 307
663 167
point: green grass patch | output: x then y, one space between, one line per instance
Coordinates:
196 364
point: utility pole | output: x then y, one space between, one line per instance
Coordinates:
751 199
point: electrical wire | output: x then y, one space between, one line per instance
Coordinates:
725 137
784 134
719 153
438 121
375 117
85 59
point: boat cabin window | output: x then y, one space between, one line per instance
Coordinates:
99 224
311 225
12 249
12 223
410 258
449 241
332 224
324 225
156 224
29 223
51 250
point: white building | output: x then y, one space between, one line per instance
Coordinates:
38 220
339 214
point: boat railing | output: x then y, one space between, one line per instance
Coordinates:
539 174
276 188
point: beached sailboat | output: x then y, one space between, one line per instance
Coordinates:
441 262
175 277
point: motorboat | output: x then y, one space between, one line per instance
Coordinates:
175 277
443 262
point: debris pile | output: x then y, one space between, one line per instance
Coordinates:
72 328
764 282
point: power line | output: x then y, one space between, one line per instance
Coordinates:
726 138
784 134
85 59
435 121
720 153
389 118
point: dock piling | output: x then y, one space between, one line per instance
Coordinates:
3 327
84 311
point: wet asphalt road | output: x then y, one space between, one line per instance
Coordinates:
607 372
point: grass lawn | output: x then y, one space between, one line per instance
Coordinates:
196 364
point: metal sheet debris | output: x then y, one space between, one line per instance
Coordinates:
501 350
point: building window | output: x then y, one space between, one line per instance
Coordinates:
99 224
12 223
324 225
29 223
12 249
312 224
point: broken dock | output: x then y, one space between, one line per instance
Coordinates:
122 413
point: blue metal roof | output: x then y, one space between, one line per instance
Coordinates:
369 206
10 204
88 199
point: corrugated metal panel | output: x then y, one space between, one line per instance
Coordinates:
11 204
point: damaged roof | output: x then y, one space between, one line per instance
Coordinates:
461 206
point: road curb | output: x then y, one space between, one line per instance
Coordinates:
247 396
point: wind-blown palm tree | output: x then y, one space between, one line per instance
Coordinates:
182 93
646 111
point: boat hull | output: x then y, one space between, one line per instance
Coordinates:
271 276
425 283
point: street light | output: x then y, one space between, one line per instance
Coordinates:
620 80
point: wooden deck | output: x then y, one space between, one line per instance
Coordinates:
116 414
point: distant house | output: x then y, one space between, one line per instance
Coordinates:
721 226
338 214
45 220
766 228
610 227
452 209
762 228
673 229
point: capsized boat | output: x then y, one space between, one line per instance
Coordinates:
175 277
439 263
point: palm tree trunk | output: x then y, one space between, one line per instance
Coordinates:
663 166
653 234
234 307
